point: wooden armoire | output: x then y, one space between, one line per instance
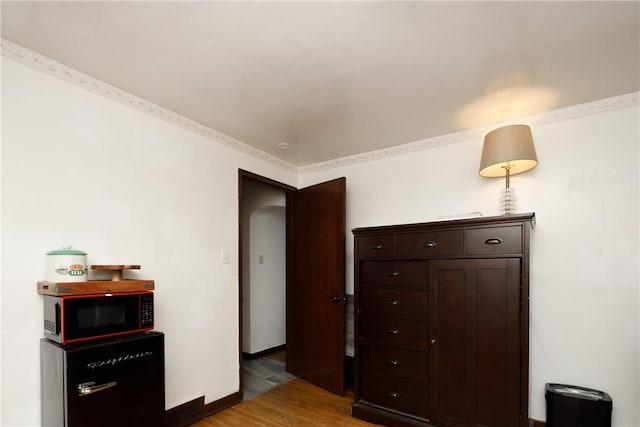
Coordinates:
442 322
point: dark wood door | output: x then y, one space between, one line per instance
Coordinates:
475 342
315 284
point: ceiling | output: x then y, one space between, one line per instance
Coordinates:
337 78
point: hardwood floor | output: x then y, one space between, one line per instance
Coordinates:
296 403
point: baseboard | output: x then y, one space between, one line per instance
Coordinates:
250 356
193 411
536 423
376 415
186 414
222 404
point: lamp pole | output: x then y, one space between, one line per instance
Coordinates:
507 169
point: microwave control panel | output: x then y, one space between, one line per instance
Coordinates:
146 310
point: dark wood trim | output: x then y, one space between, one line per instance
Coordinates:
494 220
244 176
185 414
372 414
536 423
222 404
524 316
288 211
277 349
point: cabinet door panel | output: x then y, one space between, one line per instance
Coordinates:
475 358
498 344
452 372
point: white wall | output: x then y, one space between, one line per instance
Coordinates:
584 257
264 268
125 187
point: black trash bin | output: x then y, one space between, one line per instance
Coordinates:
573 406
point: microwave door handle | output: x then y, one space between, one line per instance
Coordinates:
58 319
90 387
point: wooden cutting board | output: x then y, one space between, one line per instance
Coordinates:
116 270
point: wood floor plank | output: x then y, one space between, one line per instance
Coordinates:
296 403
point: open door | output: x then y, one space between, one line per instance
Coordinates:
316 284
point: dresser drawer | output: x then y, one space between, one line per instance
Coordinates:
430 244
494 240
398 274
396 332
396 363
395 303
394 394
377 246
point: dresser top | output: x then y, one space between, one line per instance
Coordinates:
479 221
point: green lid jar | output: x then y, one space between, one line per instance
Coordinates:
67 265
66 251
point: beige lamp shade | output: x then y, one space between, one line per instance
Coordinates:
509 147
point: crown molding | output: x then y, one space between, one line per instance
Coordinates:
57 69
580 110
49 66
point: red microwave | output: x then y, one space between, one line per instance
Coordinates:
76 318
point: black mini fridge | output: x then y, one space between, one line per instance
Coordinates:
106 383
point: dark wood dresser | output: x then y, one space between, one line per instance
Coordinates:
442 322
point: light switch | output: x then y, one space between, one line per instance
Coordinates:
260 259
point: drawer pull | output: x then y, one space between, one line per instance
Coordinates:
376 246
393 362
393 395
393 331
393 273
493 241
394 302
429 244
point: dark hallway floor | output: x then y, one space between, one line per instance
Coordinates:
263 374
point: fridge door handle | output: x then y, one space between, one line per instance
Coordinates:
90 387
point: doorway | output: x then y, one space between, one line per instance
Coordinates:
263 284
315 300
